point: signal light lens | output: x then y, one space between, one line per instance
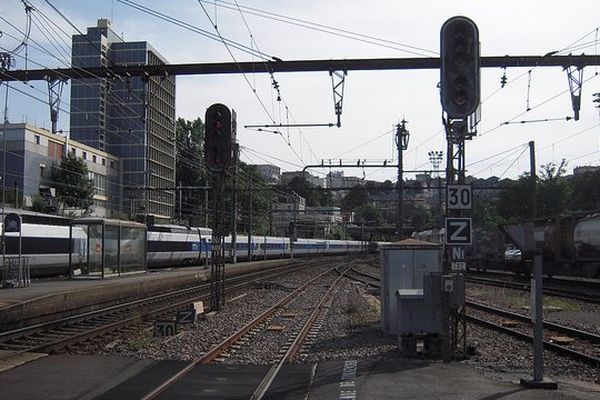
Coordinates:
459 67
218 138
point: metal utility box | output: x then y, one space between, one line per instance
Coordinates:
415 315
436 286
403 265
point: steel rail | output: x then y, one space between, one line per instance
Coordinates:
577 355
589 336
525 286
266 382
40 329
365 274
218 349
588 359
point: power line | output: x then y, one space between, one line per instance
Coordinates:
327 29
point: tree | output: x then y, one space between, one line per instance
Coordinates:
307 190
367 214
485 214
585 191
73 186
553 190
250 178
356 197
189 168
514 201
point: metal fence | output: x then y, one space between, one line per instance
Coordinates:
15 272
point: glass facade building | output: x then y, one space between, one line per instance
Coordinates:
130 117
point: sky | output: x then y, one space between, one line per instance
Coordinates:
374 101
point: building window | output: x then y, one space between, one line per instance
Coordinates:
94 158
104 161
112 164
73 152
37 139
55 150
84 155
99 182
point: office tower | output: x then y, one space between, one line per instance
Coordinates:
132 118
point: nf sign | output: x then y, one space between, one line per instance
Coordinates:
458 231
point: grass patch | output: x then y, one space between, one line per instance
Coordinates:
140 343
518 299
562 303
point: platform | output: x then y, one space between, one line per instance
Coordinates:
91 377
45 298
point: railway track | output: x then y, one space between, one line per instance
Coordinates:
583 345
366 278
60 333
588 293
245 334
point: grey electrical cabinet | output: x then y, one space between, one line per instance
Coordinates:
403 265
415 315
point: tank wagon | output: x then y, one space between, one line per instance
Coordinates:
571 246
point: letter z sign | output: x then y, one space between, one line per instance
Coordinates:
458 231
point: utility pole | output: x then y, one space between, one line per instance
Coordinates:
234 208
362 238
293 231
402 137
436 157
270 215
250 225
206 202
180 193
533 179
597 101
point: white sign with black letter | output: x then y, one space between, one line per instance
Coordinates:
458 231
459 197
458 259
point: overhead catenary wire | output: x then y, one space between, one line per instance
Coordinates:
246 78
327 29
274 84
118 102
515 160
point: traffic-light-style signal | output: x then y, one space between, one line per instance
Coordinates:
460 67
597 99
217 140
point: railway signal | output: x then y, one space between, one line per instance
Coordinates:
218 137
460 67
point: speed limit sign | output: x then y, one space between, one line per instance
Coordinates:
459 197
